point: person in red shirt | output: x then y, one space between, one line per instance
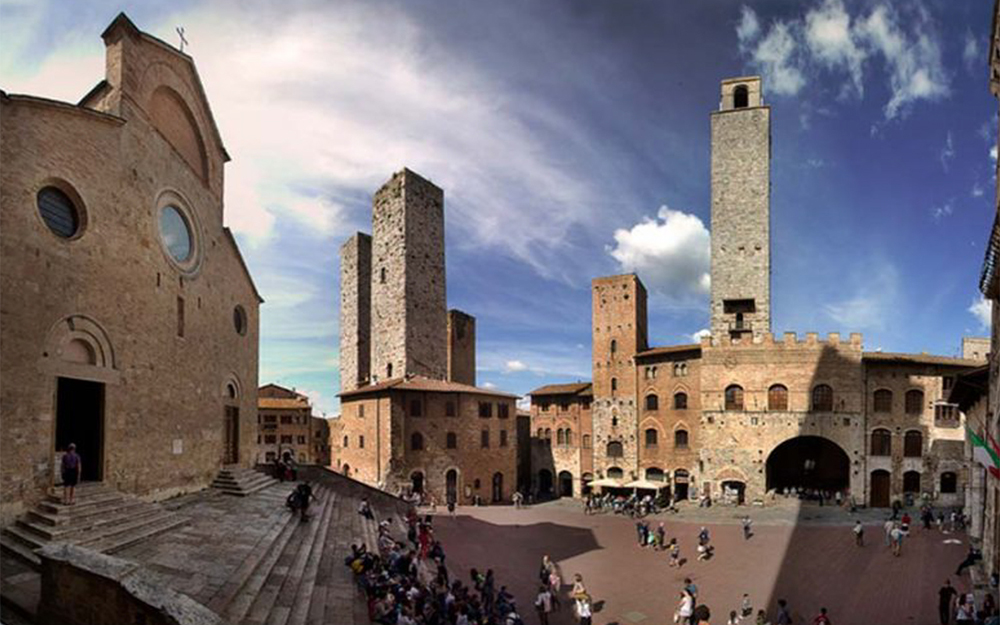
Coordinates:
822 618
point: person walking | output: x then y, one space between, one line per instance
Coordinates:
691 588
887 526
784 615
965 612
747 531
822 618
584 612
859 533
946 599
746 608
543 603
685 608
897 540
675 553
72 469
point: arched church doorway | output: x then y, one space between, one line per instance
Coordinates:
810 462
544 483
80 421
565 484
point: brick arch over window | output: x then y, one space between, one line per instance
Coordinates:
652 401
680 400
913 444
651 437
734 397
681 438
78 346
822 398
882 400
881 442
777 398
615 450
172 117
914 401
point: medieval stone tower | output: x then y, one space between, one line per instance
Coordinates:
619 332
355 311
741 184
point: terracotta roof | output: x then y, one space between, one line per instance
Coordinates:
421 383
282 402
669 349
921 359
574 388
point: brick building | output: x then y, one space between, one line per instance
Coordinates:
746 412
129 323
411 415
285 423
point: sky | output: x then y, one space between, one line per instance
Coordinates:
571 138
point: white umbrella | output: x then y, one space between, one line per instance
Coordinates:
645 484
605 483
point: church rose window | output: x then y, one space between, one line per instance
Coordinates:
176 233
58 212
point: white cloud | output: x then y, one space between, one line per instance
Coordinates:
993 154
977 189
833 43
671 254
513 366
749 27
697 336
776 55
970 52
982 309
944 210
947 152
488 385
873 302
916 71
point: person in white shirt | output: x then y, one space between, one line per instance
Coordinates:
543 603
583 610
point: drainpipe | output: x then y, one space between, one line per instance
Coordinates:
378 439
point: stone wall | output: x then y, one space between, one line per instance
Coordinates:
461 347
572 453
355 311
83 587
103 305
408 325
741 186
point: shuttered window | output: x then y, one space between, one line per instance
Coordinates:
58 212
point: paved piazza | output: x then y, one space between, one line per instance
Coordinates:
805 555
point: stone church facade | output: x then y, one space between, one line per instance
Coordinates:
412 417
129 320
745 412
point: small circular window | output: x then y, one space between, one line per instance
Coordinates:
59 212
240 320
176 233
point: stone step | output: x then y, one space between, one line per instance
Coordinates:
93 523
278 598
41 516
337 603
241 481
54 505
14 547
129 534
23 536
310 574
226 600
244 600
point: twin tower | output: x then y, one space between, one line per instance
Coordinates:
394 320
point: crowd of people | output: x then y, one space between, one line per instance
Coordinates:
633 505
407 582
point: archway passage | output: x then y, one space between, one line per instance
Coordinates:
80 420
565 484
451 485
545 482
809 462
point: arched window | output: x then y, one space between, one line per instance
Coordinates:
451 441
614 385
822 398
734 397
680 438
560 437
586 441
541 433
615 473
914 401
569 436
615 450
741 97
388 370
345 442
949 482
652 402
416 441
777 398
614 346
911 482
913 444
883 400
548 435
680 401
654 474
881 442
651 435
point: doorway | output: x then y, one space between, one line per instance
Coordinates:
497 487
451 485
734 492
231 438
565 484
880 489
809 462
80 420
681 478
544 483
417 482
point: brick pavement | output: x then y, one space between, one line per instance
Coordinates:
811 564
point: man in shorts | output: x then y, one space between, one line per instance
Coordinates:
72 469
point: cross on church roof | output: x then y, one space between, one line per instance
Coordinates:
180 33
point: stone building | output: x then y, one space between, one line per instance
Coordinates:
285 424
745 412
411 415
129 321
562 455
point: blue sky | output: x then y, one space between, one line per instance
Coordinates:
572 141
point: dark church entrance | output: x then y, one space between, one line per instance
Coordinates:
80 420
231 435
809 462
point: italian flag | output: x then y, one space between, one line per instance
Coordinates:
986 454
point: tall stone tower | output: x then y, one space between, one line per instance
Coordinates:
408 318
355 311
741 233
461 347
619 332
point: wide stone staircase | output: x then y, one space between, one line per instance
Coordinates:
296 574
102 519
241 481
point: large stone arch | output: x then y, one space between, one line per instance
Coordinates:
808 461
172 117
78 346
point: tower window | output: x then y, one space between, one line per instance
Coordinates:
614 385
614 346
381 275
388 370
741 97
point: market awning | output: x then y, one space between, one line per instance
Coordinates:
646 484
606 482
